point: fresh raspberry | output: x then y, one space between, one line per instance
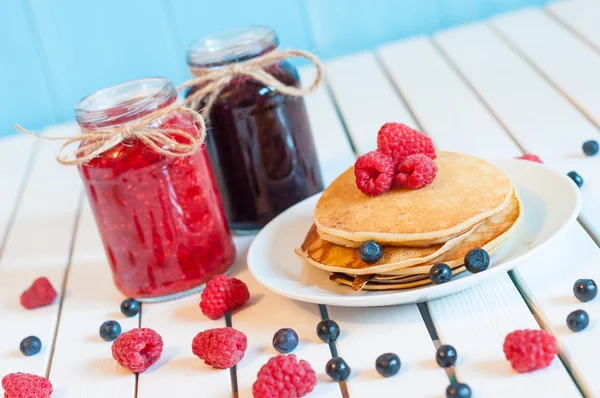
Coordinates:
223 294
416 171
531 157
282 376
137 349
374 173
399 141
39 294
220 348
529 350
25 385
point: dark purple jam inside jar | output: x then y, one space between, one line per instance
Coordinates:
260 142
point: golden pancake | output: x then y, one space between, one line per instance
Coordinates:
466 191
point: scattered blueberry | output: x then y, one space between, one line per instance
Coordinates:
446 356
578 320
130 307
458 390
337 369
30 346
576 178
370 252
440 273
585 289
328 331
590 148
477 260
285 340
110 330
388 364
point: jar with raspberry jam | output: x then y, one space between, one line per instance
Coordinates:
160 217
260 141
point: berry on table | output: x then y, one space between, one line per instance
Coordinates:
39 294
399 141
223 294
25 385
284 376
528 350
446 356
370 252
416 171
130 307
30 346
585 289
440 273
477 260
374 173
578 320
285 340
337 369
137 349
110 330
220 348
576 178
531 157
590 148
388 364
458 390
328 330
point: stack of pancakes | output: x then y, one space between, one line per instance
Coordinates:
470 204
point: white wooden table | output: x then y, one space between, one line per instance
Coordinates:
525 81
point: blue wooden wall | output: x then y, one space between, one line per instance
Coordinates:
54 52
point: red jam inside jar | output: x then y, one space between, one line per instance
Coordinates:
160 217
260 142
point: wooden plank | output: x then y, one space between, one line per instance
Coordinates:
495 308
38 245
581 17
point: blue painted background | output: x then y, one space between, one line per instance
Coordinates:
54 52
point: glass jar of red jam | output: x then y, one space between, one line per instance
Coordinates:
260 142
160 217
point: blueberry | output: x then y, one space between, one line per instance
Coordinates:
328 331
337 369
285 340
130 307
110 330
585 289
477 260
388 364
446 356
458 390
576 178
370 252
440 273
590 148
578 320
30 346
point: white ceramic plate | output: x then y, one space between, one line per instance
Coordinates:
551 203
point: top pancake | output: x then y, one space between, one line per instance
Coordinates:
466 191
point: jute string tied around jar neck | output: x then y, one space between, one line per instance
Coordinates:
211 81
94 142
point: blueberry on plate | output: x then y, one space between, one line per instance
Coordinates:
477 260
578 320
590 148
370 252
458 390
110 330
446 356
388 364
576 178
285 340
328 331
130 307
30 346
585 289
440 273
337 369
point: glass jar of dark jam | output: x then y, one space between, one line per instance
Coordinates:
260 142
160 217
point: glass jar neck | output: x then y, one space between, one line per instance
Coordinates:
125 102
237 45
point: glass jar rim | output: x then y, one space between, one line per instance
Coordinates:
231 45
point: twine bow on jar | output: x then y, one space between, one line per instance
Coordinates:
166 141
210 81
